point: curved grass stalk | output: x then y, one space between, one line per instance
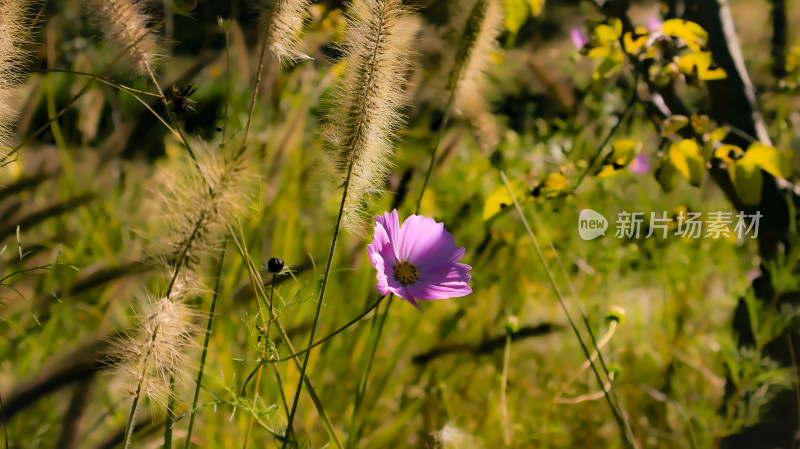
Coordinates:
619 416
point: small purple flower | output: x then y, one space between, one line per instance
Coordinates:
640 164
579 39
418 260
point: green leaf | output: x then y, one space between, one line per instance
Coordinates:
747 180
183 7
610 66
668 175
517 12
673 124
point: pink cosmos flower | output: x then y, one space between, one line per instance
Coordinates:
418 260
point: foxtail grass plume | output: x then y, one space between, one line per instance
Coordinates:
473 57
198 204
196 208
156 350
285 19
125 25
367 104
15 26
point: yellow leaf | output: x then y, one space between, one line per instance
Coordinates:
718 134
516 14
768 159
700 124
687 160
536 7
609 32
552 184
691 33
701 64
599 52
728 153
634 43
500 199
610 66
624 150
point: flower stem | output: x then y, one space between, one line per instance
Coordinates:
203 356
334 333
362 385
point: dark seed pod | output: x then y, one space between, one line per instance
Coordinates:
274 265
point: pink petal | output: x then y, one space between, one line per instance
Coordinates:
407 296
381 244
383 280
447 275
391 224
426 243
425 291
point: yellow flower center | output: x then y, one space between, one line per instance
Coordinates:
405 272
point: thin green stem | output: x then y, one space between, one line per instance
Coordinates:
622 117
319 301
355 430
627 434
334 333
203 356
259 368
